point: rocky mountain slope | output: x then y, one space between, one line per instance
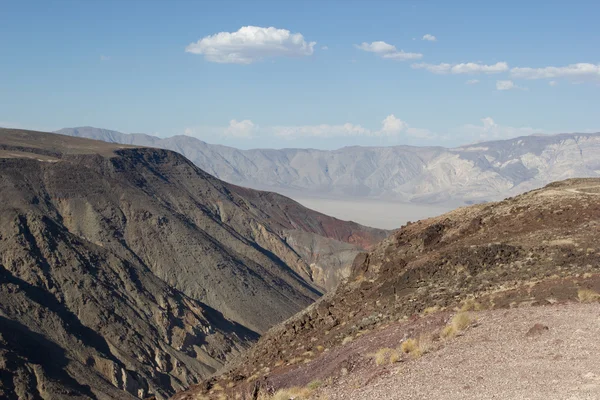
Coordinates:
129 272
484 171
538 248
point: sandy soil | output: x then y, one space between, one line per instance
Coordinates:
497 359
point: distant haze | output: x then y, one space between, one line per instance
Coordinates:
365 184
375 213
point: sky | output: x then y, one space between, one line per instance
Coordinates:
318 74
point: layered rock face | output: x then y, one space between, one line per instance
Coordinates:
128 272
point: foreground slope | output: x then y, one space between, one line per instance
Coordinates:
129 271
484 171
539 248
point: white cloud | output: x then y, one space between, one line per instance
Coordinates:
508 85
323 130
464 68
472 82
387 50
573 71
552 83
490 130
243 129
324 47
104 58
505 85
429 37
392 125
250 44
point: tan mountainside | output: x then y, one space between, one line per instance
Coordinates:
128 272
538 248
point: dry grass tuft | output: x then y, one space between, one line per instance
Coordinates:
431 310
296 393
314 385
471 305
347 340
409 346
460 322
386 356
588 295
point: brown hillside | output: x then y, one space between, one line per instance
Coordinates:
534 249
128 271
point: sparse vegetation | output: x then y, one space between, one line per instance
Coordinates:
431 310
588 295
471 305
314 385
386 356
460 322
296 393
347 340
409 346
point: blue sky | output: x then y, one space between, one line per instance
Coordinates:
494 70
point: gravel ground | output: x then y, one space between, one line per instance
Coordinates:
497 359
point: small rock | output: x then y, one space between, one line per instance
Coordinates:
536 330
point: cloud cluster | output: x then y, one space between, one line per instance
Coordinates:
391 126
489 130
577 71
243 129
429 38
463 68
386 50
505 85
250 44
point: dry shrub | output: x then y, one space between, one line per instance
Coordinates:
314 385
588 295
417 347
395 356
296 393
347 340
460 322
471 305
409 346
431 310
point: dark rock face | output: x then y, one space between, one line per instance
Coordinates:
131 273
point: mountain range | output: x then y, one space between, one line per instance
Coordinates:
128 272
471 173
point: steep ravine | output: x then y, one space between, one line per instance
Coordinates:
128 272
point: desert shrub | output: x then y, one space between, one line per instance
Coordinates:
347 340
314 385
460 322
431 310
386 356
588 295
296 393
471 305
409 346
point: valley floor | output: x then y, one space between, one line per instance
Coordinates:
376 213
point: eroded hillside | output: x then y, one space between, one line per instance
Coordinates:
129 272
539 248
